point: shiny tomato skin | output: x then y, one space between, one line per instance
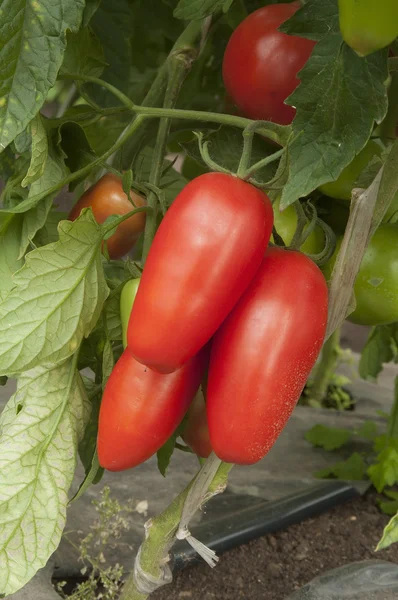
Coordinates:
262 355
140 410
204 255
106 198
260 64
196 430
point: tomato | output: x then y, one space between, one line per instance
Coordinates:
107 198
342 187
196 430
286 224
205 253
376 285
262 355
368 25
260 64
140 409
127 298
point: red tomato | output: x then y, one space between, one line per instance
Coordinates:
261 64
140 409
204 255
262 355
107 198
196 431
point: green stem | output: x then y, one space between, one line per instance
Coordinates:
108 86
179 64
161 532
392 431
116 222
326 368
263 163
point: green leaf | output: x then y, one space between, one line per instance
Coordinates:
390 534
389 508
38 445
352 469
340 97
113 25
90 9
49 232
328 438
33 39
10 262
385 471
165 453
35 218
368 430
57 298
39 151
192 10
377 351
112 315
84 54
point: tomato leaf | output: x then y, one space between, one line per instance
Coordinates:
385 471
35 218
57 298
380 348
340 97
165 453
192 10
84 54
39 151
90 8
49 232
10 262
329 438
32 46
390 534
38 446
368 430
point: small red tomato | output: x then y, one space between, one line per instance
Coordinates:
107 198
196 431
141 409
262 355
261 64
205 253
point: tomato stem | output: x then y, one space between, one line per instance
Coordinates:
161 531
325 369
179 64
125 100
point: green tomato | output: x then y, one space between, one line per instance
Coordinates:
127 298
342 187
376 286
368 25
286 224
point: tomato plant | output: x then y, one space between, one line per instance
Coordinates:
262 355
367 25
106 198
261 64
286 224
140 409
376 286
210 244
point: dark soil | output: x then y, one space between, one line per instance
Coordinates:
275 565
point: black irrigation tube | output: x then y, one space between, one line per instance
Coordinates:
261 517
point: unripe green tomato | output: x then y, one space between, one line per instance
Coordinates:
127 298
342 187
368 25
376 286
285 223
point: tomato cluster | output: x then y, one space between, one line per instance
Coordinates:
212 298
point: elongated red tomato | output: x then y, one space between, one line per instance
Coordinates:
262 355
140 409
260 64
204 255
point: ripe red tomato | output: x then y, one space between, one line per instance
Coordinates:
107 198
196 431
262 355
261 64
204 255
140 409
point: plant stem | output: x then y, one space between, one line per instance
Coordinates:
179 64
326 368
108 86
161 531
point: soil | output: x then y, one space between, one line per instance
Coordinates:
277 564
